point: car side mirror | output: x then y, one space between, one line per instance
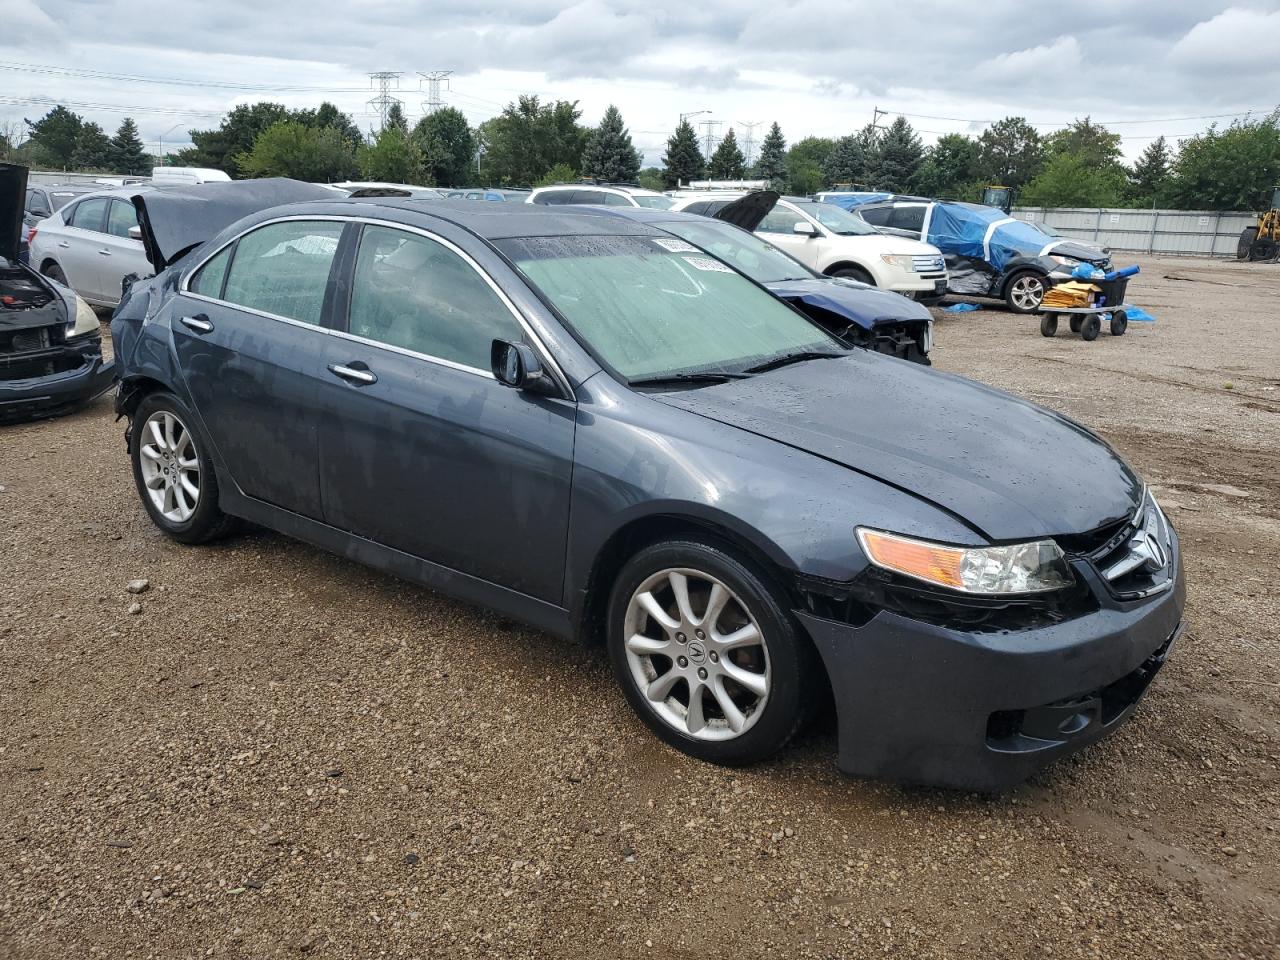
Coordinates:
516 365
804 229
135 232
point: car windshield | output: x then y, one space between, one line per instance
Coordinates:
652 307
758 259
654 203
836 219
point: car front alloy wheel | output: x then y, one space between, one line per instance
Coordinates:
170 467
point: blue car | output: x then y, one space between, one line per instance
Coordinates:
858 314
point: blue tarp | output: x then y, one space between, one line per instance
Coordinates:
850 200
983 233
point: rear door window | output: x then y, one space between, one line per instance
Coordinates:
907 217
412 292
283 268
90 214
120 218
876 216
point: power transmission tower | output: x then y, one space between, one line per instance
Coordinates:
433 80
876 114
749 141
382 102
710 136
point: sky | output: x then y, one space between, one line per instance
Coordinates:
817 67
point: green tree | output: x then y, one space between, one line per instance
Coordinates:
1010 153
805 160
290 149
1231 169
683 160
949 168
396 117
529 137
448 146
328 116
560 173
93 149
393 157
1070 180
727 162
235 136
1097 146
847 162
651 179
126 153
772 163
54 135
1150 173
898 158
610 154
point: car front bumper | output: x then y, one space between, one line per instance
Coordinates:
79 374
984 711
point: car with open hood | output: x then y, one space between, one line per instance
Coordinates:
989 253
829 240
50 340
858 314
566 417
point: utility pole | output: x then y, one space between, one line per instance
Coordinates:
749 141
433 80
692 113
383 101
876 114
710 136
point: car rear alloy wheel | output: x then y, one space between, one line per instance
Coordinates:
697 654
170 466
1025 292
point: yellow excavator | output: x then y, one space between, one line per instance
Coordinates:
1263 241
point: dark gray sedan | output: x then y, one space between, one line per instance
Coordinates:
566 417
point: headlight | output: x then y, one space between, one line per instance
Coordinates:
1065 261
1020 568
86 320
900 260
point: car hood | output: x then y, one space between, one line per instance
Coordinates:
176 219
1009 469
13 193
747 212
1081 251
864 305
886 243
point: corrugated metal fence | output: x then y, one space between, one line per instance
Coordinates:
1204 233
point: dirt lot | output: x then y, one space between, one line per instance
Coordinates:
284 754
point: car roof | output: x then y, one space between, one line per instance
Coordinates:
489 221
626 188
654 215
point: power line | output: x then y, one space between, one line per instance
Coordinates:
434 79
383 101
87 74
107 107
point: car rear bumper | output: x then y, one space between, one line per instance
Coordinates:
65 377
984 711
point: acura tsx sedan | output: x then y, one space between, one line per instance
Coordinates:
565 417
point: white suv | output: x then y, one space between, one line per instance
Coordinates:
837 243
601 194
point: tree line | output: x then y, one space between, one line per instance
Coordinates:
534 142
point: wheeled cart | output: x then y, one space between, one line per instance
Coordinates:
1086 321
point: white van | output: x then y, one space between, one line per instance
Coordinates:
187 175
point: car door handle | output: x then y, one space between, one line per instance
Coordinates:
199 323
353 375
104 253
63 243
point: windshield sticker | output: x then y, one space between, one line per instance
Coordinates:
675 246
707 264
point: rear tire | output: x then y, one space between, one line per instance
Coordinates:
1090 326
666 653
1075 323
54 273
1049 325
854 273
173 472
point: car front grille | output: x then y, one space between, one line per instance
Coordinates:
22 341
1138 560
928 263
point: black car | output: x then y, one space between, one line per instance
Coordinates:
555 414
50 342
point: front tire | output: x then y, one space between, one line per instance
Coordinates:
1024 291
54 273
708 654
855 273
173 472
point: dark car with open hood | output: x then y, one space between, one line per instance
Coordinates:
566 417
50 342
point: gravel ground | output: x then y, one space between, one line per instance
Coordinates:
279 753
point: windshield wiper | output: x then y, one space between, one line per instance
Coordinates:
789 358
704 377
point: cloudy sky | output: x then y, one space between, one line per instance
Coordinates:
818 67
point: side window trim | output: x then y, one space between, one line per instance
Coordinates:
184 288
